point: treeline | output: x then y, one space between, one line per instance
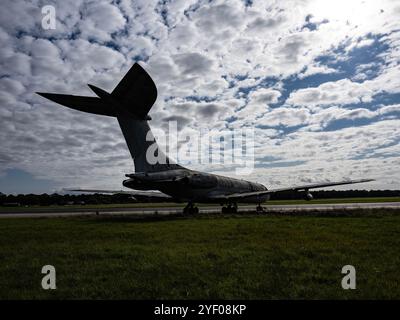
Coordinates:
331 194
58 199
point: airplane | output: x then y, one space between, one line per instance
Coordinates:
130 102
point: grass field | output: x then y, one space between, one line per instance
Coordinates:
205 257
169 204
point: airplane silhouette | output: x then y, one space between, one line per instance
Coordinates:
130 102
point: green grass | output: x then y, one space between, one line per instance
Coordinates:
169 204
207 257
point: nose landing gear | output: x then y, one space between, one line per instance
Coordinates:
260 209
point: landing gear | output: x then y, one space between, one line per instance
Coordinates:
190 209
260 209
231 208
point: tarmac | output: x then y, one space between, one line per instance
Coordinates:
166 210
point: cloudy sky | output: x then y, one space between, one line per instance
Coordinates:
318 80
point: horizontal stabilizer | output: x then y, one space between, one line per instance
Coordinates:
86 104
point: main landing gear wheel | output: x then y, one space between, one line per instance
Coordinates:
190 209
231 208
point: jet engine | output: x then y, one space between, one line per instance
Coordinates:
308 196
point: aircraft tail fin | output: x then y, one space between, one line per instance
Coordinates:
135 94
146 154
136 91
130 102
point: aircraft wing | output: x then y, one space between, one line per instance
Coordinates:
135 193
243 196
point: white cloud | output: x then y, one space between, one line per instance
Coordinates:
193 63
100 20
359 44
264 96
196 49
339 92
316 69
345 91
288 117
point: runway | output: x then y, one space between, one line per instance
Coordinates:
167 210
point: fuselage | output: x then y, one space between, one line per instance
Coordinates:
193 186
